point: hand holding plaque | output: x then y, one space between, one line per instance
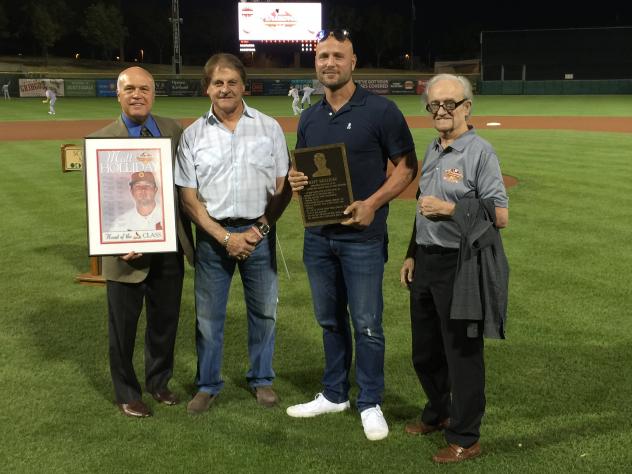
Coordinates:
328 190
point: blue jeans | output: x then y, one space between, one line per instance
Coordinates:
213 274
346 279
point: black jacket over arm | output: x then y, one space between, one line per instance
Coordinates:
481 285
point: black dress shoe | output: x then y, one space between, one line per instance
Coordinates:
135 408
166 396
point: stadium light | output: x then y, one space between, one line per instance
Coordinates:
176 59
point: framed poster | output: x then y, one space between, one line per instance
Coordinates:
328 192
129 195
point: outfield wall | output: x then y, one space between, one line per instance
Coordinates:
169 87
106 87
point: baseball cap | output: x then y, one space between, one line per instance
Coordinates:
147 176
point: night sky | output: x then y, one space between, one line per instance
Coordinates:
447 30
442 18
441 30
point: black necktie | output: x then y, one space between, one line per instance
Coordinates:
144 132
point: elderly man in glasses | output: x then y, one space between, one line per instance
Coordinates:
461 205
345 262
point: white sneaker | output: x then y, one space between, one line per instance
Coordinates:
374 424
318 406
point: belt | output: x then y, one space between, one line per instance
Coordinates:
436 249
235 221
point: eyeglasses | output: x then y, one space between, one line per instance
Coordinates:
339 34
448 106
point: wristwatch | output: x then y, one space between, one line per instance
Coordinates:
263 228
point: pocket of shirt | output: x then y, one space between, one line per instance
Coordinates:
259 153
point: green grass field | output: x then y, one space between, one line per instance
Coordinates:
558 388
188 107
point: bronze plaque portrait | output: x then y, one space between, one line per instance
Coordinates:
328 191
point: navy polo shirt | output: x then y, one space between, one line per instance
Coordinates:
373 130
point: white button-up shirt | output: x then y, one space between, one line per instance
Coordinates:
234 172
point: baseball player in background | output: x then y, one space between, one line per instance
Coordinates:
51 98
295 100
307 96
5 91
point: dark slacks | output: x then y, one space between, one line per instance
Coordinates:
448 363
161 291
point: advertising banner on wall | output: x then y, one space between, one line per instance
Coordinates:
37 87
377 86
403 87
276 86
256 86
185 88
421 86
106 87
80 87
162 87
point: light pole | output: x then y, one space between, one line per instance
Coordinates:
176 59
412 34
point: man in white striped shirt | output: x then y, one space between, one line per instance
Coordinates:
232 172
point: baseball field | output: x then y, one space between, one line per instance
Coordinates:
558 389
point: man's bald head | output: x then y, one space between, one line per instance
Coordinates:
136 91
134 71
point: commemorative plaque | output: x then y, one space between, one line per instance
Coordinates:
328 191
71 157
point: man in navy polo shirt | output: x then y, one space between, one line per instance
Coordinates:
345 262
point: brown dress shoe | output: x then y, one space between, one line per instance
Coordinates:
418 427
135 408
166 396
200 403
266 396
455 453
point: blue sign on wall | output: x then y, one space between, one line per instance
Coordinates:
106 87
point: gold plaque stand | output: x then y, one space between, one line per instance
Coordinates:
72 160
93 277
71 157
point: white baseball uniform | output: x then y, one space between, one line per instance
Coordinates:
294 93
51 97
307 95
